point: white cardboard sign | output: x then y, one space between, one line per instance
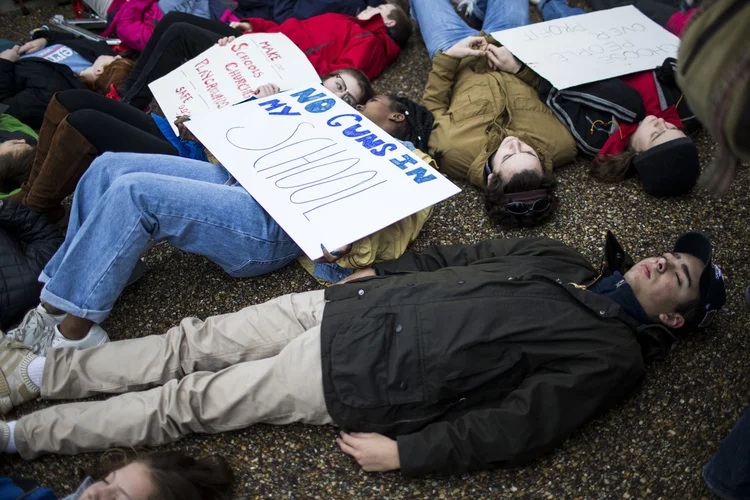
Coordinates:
591 47
324 172
223 76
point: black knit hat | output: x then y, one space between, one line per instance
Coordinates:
669 169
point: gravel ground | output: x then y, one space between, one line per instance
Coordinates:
651 446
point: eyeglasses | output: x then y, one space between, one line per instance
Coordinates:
346 97
534 201
521 208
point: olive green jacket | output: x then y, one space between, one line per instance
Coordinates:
476 108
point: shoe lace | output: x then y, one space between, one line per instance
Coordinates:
31 321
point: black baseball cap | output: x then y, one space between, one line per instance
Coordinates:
711 285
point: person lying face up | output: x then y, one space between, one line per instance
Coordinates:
492 130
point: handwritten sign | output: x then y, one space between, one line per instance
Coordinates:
324 172
591 47
223 76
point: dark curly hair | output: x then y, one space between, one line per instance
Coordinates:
417 125
496 198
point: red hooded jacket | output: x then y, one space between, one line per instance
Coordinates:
337 41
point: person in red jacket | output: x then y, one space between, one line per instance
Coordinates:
369 42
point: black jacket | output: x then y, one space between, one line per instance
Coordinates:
477 356
578 108
27 241
27 85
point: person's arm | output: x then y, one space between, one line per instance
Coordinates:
27 103
437 92
437 257
40 237
533 419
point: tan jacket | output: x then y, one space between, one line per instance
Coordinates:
476 108
387 244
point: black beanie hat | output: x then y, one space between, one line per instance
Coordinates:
669 169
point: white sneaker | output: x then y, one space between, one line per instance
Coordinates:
96 336
31 329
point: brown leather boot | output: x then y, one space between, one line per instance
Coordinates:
54 114
70 154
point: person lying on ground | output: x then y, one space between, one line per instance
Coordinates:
32 73
201 209
432 363
166 475
279 11
180 37
490 126
17 141
27 242
370 42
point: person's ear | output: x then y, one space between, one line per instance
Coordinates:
389 23
359 107
672 320
490 178
397 117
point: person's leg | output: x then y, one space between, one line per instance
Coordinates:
126 200
279 390
179 43
556 9
79 100
82 136
505 14
161 27
441 27
728 472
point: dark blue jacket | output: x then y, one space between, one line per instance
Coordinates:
281 10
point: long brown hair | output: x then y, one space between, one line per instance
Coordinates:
495 198
115 74
15 169
174 474
613 168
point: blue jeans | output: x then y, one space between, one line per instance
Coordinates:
125 200
728 472
441 27
198 8
550 9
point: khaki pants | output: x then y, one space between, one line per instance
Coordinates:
261 364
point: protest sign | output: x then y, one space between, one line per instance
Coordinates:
591 47
324 172
223 76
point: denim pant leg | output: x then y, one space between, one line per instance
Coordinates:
556 9
441 27
197 212
728 472
505 14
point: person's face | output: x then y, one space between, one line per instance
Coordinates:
384 10
345 87
132 482
654 131
101 64
512 157
661 284
378 110
15 146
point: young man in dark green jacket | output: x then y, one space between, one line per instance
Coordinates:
465 357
